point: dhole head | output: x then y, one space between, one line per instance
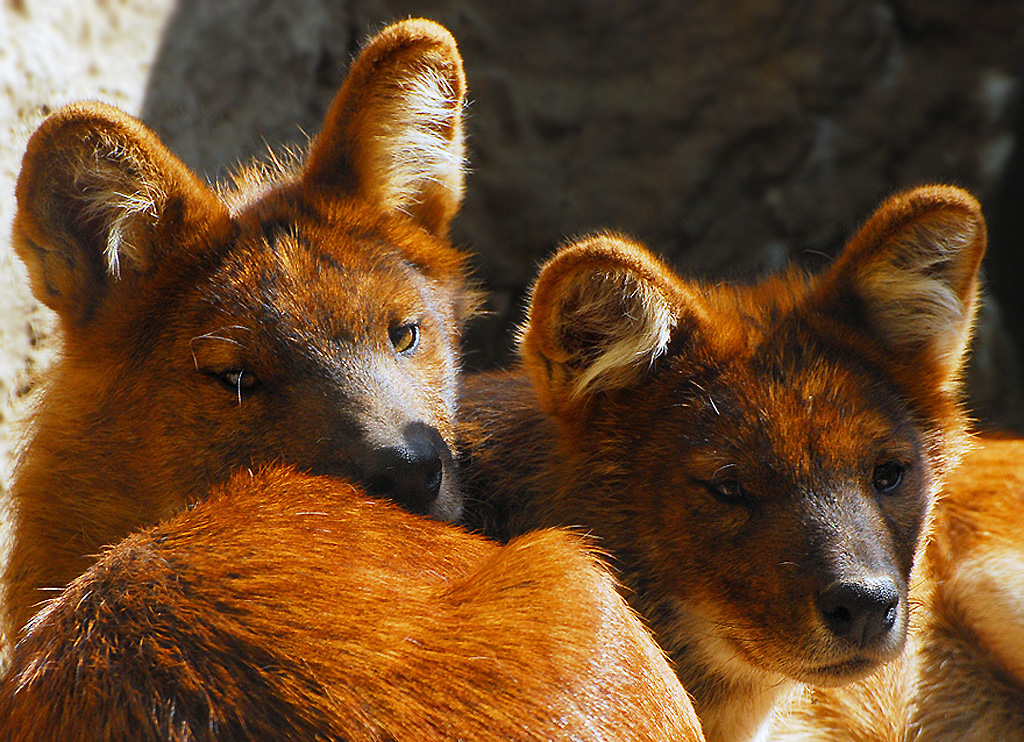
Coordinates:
762 460
309 315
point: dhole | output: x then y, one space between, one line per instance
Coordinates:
963 675
308 316
288 607
310 320
760 462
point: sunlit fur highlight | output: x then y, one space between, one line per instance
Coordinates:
428 146
288 608
411 146
988 592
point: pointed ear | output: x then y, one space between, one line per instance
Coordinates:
602 311
913 270
394 132
100 202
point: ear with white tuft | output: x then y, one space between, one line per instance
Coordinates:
97 196
602 311
394 132
914 269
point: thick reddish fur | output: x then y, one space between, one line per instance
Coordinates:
722 442
294 277
287 607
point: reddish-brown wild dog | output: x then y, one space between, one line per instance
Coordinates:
760 461
962 679
310 320
308 316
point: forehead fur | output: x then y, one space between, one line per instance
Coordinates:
347 228
767 365
306 261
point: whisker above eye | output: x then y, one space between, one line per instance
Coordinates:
212 335
723 468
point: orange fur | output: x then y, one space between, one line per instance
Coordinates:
760 462
971 672
284 605
287 607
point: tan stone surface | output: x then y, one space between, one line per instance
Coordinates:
53 52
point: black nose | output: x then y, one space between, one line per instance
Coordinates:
861 611
410 474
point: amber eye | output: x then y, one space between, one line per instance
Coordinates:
237 379
405 338
887 477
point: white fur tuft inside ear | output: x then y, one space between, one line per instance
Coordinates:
124 209
419 144
630 324
913 292
121 202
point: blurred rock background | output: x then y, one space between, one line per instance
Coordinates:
731 137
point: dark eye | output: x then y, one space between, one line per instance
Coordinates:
405 338
237 379
887 477
729 491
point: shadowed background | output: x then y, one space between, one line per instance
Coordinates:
731 137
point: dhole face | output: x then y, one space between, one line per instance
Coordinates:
319 344
802 484
759 461
307 315
962 674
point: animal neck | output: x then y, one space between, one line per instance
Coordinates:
73 492
732 707
734 699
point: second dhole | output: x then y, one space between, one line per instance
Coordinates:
760 461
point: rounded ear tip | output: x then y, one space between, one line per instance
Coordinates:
421 28
58 129
43 145
418 31
606 251
604 242
90 113
79 128
937 197
599 247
